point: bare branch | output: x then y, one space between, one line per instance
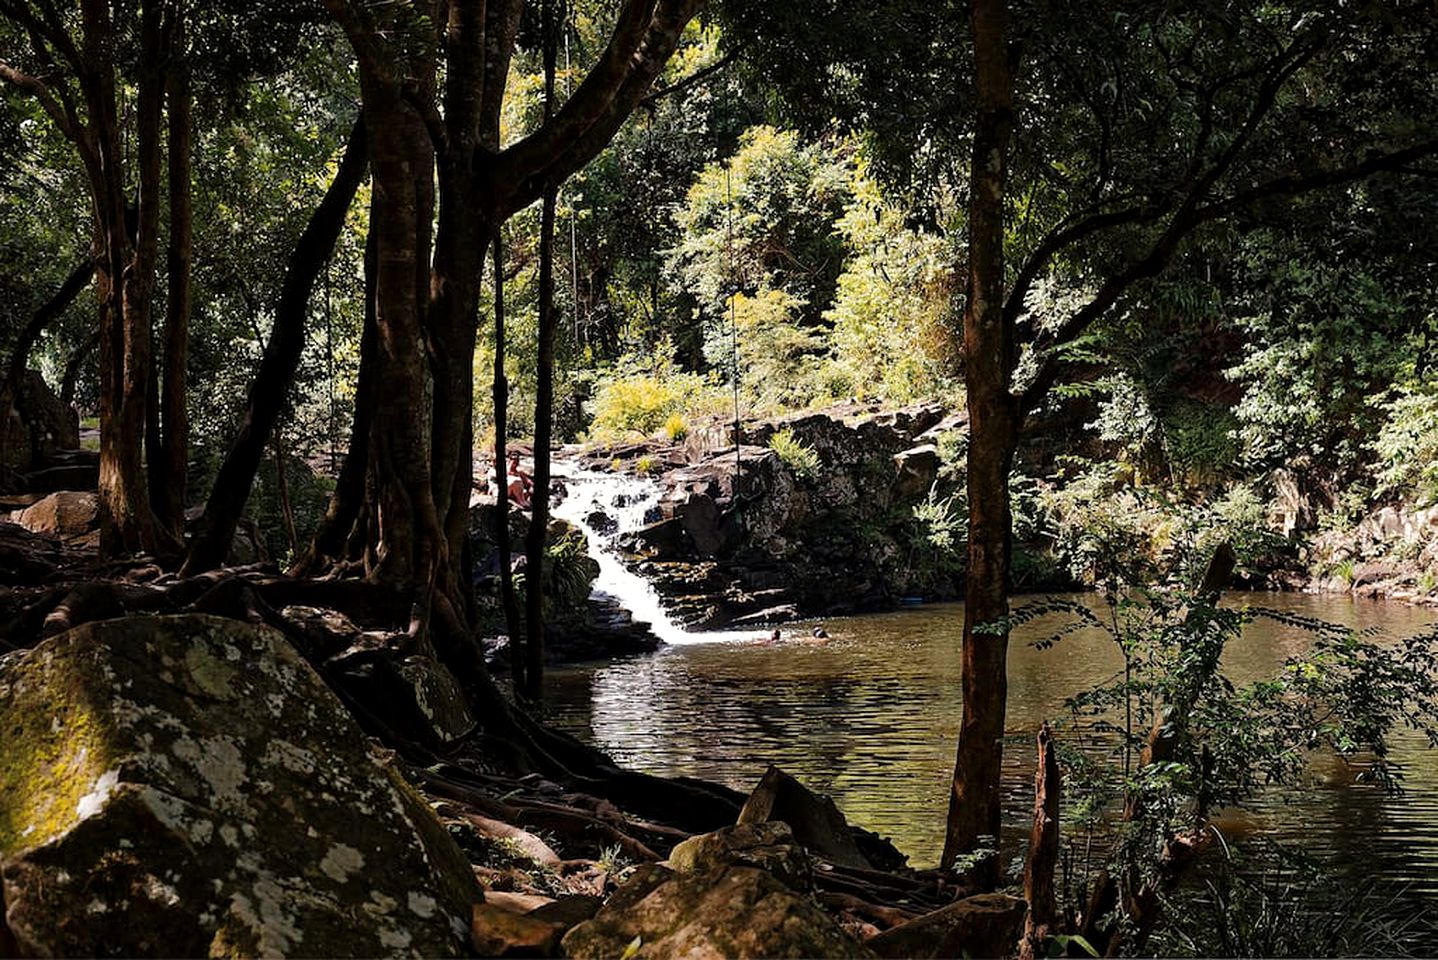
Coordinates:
38 89
693 80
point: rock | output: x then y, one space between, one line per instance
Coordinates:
25 557
815 821
422 699
770 847
70 476
915 471
246 547
1365 574
710 530
188 786
736 912
988 925
664 539
67 513
37 426
500 933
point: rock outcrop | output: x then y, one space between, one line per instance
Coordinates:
743 536
188 785
37 426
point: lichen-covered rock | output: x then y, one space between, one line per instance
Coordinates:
766 846
733 913
67 513
188 786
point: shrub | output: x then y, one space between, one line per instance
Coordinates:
645 465
798 456
676 428
1407 443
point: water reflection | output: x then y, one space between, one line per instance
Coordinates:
872 717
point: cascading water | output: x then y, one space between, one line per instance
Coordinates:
627 503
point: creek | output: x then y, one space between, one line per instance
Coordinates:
872 717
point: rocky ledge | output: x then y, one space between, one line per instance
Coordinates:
748 536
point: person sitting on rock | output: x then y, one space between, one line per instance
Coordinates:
521 484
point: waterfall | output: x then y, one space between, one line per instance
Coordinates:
628 501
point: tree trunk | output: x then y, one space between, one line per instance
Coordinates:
343 521
73 363
124 280
236 476
1043 858
77 281
974 804
501 478
174 452
543 399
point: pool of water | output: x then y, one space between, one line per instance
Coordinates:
871 719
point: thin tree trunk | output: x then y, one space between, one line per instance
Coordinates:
277 367
501 478
77 281
1043 858
172 467
543 399
283 482
974 804
59 301
73 363
346 504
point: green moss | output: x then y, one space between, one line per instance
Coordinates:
54 757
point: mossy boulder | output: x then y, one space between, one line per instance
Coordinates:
770 847
188 786
732 912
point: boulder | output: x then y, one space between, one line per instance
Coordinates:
500 933
770 847
421 698
815 821
988 925
68 513
38 424
915 471
735 912
188 786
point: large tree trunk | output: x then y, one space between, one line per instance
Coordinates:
124 280
974 804
277 367
171 469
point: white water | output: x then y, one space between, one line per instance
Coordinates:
626 500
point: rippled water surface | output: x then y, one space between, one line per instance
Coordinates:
871 719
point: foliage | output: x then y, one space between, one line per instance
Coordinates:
641 398
1407 443
799 457
762 221
892 336
676 427
1109 530
1274 902
1220 744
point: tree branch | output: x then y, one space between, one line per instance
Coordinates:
1182 226
588 121
693 80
